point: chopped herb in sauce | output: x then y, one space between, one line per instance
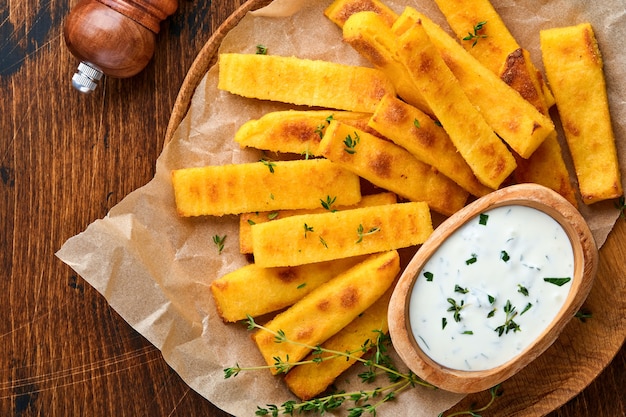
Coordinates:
456 308
429 276
471 260
482 219
558 281
522 290
504 256
459 289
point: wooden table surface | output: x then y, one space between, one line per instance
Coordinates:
65 160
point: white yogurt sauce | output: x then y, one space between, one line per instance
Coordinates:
497 261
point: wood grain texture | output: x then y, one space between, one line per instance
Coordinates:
66 159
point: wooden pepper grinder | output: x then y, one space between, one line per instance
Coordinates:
113 37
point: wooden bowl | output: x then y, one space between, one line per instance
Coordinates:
585 255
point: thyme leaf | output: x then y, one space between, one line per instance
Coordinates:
351 143
476 36
269 164
328 203
362 233
219 242
559 282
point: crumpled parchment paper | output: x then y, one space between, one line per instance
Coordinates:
155 268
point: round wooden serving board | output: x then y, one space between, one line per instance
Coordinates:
581 352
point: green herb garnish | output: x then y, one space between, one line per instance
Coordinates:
522 290
429 276
459 289
509 324
351 143
261 49
307 229
361 232
558 281
583 315
476 36
378 362
456 308
482 219
320 128
328 203
269 164
495 392
219 242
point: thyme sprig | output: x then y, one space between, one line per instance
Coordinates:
379 362
361 233
494 391
456 308
511 312
328 203
350 143
219 242
322 126
476 36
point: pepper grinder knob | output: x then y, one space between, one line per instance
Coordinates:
113 37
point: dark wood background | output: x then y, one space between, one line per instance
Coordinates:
65 160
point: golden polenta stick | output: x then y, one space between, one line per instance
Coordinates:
340 10
415 131
371 36
483 33
262 186
311 379
327 309
246 220
514 119
291 131
253 291
482 149
302 81
320 237
391 167
574 69
546 165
